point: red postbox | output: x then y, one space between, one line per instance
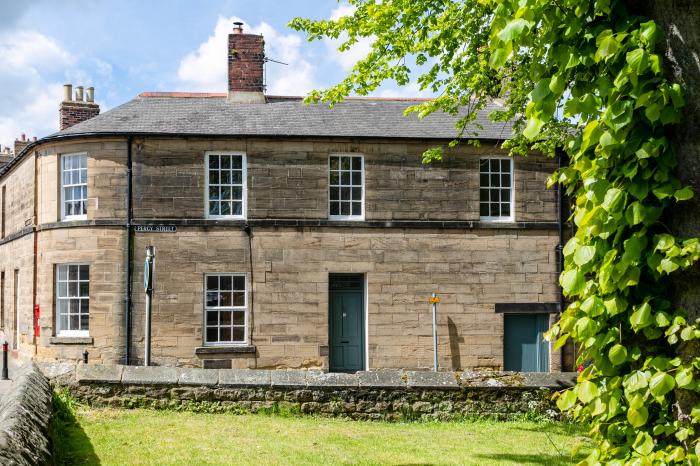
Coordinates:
37 314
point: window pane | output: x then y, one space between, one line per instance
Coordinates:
225 177
334 163
237 193
225 208
238 299
213 161
357 178
62 272
84 322
212 299
345 163
505 210
494 195
84 289
345 178
236 162
239 283
213 193
356 163
484 209
225 334
357 208
495 180
236 177
212 334
484 165
238 334
238 318
505 195
356 194
505 180
213 177
225 282
334 178
84 272
214 208
335 194
212 318
237 208
335 208
226 299
345 208
225 318
74 322
344 194
225 161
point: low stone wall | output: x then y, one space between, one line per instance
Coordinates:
25 418
385 394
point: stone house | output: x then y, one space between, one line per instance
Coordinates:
286 235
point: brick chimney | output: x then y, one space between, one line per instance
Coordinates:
21 143
246 57
76 110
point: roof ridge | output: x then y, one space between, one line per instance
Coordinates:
179 94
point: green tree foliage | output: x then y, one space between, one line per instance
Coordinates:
582 75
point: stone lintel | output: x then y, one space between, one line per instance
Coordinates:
234 349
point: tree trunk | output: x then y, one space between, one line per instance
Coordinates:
679 21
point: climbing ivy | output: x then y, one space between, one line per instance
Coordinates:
584 76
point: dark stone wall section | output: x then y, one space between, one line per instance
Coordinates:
25 418
391 395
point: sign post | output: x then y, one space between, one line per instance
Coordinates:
148 270
434 300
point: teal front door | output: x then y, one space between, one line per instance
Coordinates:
346 321
525 349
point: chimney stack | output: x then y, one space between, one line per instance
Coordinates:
21 143
246 57
74 111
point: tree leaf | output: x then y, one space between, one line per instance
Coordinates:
637 417
572 282
608 47
643 443
661 383
641 317
514 29
534 125
567 400
587 390
617 354
684 194
584 255
684 377
614 199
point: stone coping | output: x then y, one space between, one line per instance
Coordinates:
385 379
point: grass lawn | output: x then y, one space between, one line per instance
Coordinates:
137 437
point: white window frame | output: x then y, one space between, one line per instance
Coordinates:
244 308
59 331
351 217
244 186
500 219
63 158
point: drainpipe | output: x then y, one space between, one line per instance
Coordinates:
251 321
129 245
560 248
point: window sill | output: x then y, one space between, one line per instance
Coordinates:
71 340
233 349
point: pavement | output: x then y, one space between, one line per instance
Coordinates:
13 366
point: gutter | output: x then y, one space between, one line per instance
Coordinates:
129 246
560 247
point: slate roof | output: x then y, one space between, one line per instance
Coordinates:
212 114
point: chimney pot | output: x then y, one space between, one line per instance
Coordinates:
79 94
34 139
67 92
24 137
90 94
237 27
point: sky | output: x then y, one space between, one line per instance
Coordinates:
124 47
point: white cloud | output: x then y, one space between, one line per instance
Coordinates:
357 52
205 69
30 102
